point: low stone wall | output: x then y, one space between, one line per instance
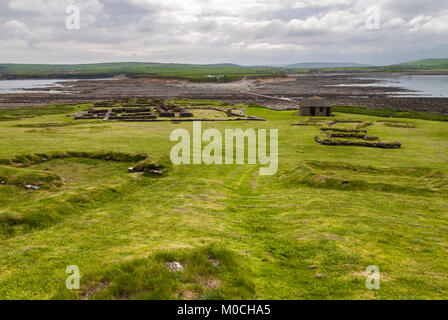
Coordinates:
372 144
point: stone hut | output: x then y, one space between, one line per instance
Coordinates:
315 107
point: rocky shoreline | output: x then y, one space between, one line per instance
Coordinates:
340 89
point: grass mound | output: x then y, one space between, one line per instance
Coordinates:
350 177
211 272
41 213
90 179
398 124
31 159
351 133
356 135
329 141
415 172
22 177
150 167
36 111
47 125
346 125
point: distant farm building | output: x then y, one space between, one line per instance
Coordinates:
210 76
315 107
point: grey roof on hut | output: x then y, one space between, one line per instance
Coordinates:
314 102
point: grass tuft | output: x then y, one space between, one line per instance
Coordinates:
211 272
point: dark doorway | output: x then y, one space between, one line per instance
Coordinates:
313 112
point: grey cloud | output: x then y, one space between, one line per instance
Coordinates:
244 31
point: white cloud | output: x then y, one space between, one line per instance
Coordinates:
18 26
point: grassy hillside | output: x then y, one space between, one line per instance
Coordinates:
427 63
414 66
200 73
135 69
326 65
308 232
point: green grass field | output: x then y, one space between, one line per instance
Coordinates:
308 232
191 72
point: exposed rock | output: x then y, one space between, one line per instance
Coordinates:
31 187
155 171
174 266
87 294
214 262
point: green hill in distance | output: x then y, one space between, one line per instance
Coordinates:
322 65
221 72
224 72
426 63
124 66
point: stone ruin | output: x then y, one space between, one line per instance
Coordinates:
132 110
172 111
120 114
152 110
356 136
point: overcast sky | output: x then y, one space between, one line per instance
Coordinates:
247 32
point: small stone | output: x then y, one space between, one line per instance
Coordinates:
155 171
31 187
131 170
215 262
45 159
319 275
3 182
174 266
312 267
